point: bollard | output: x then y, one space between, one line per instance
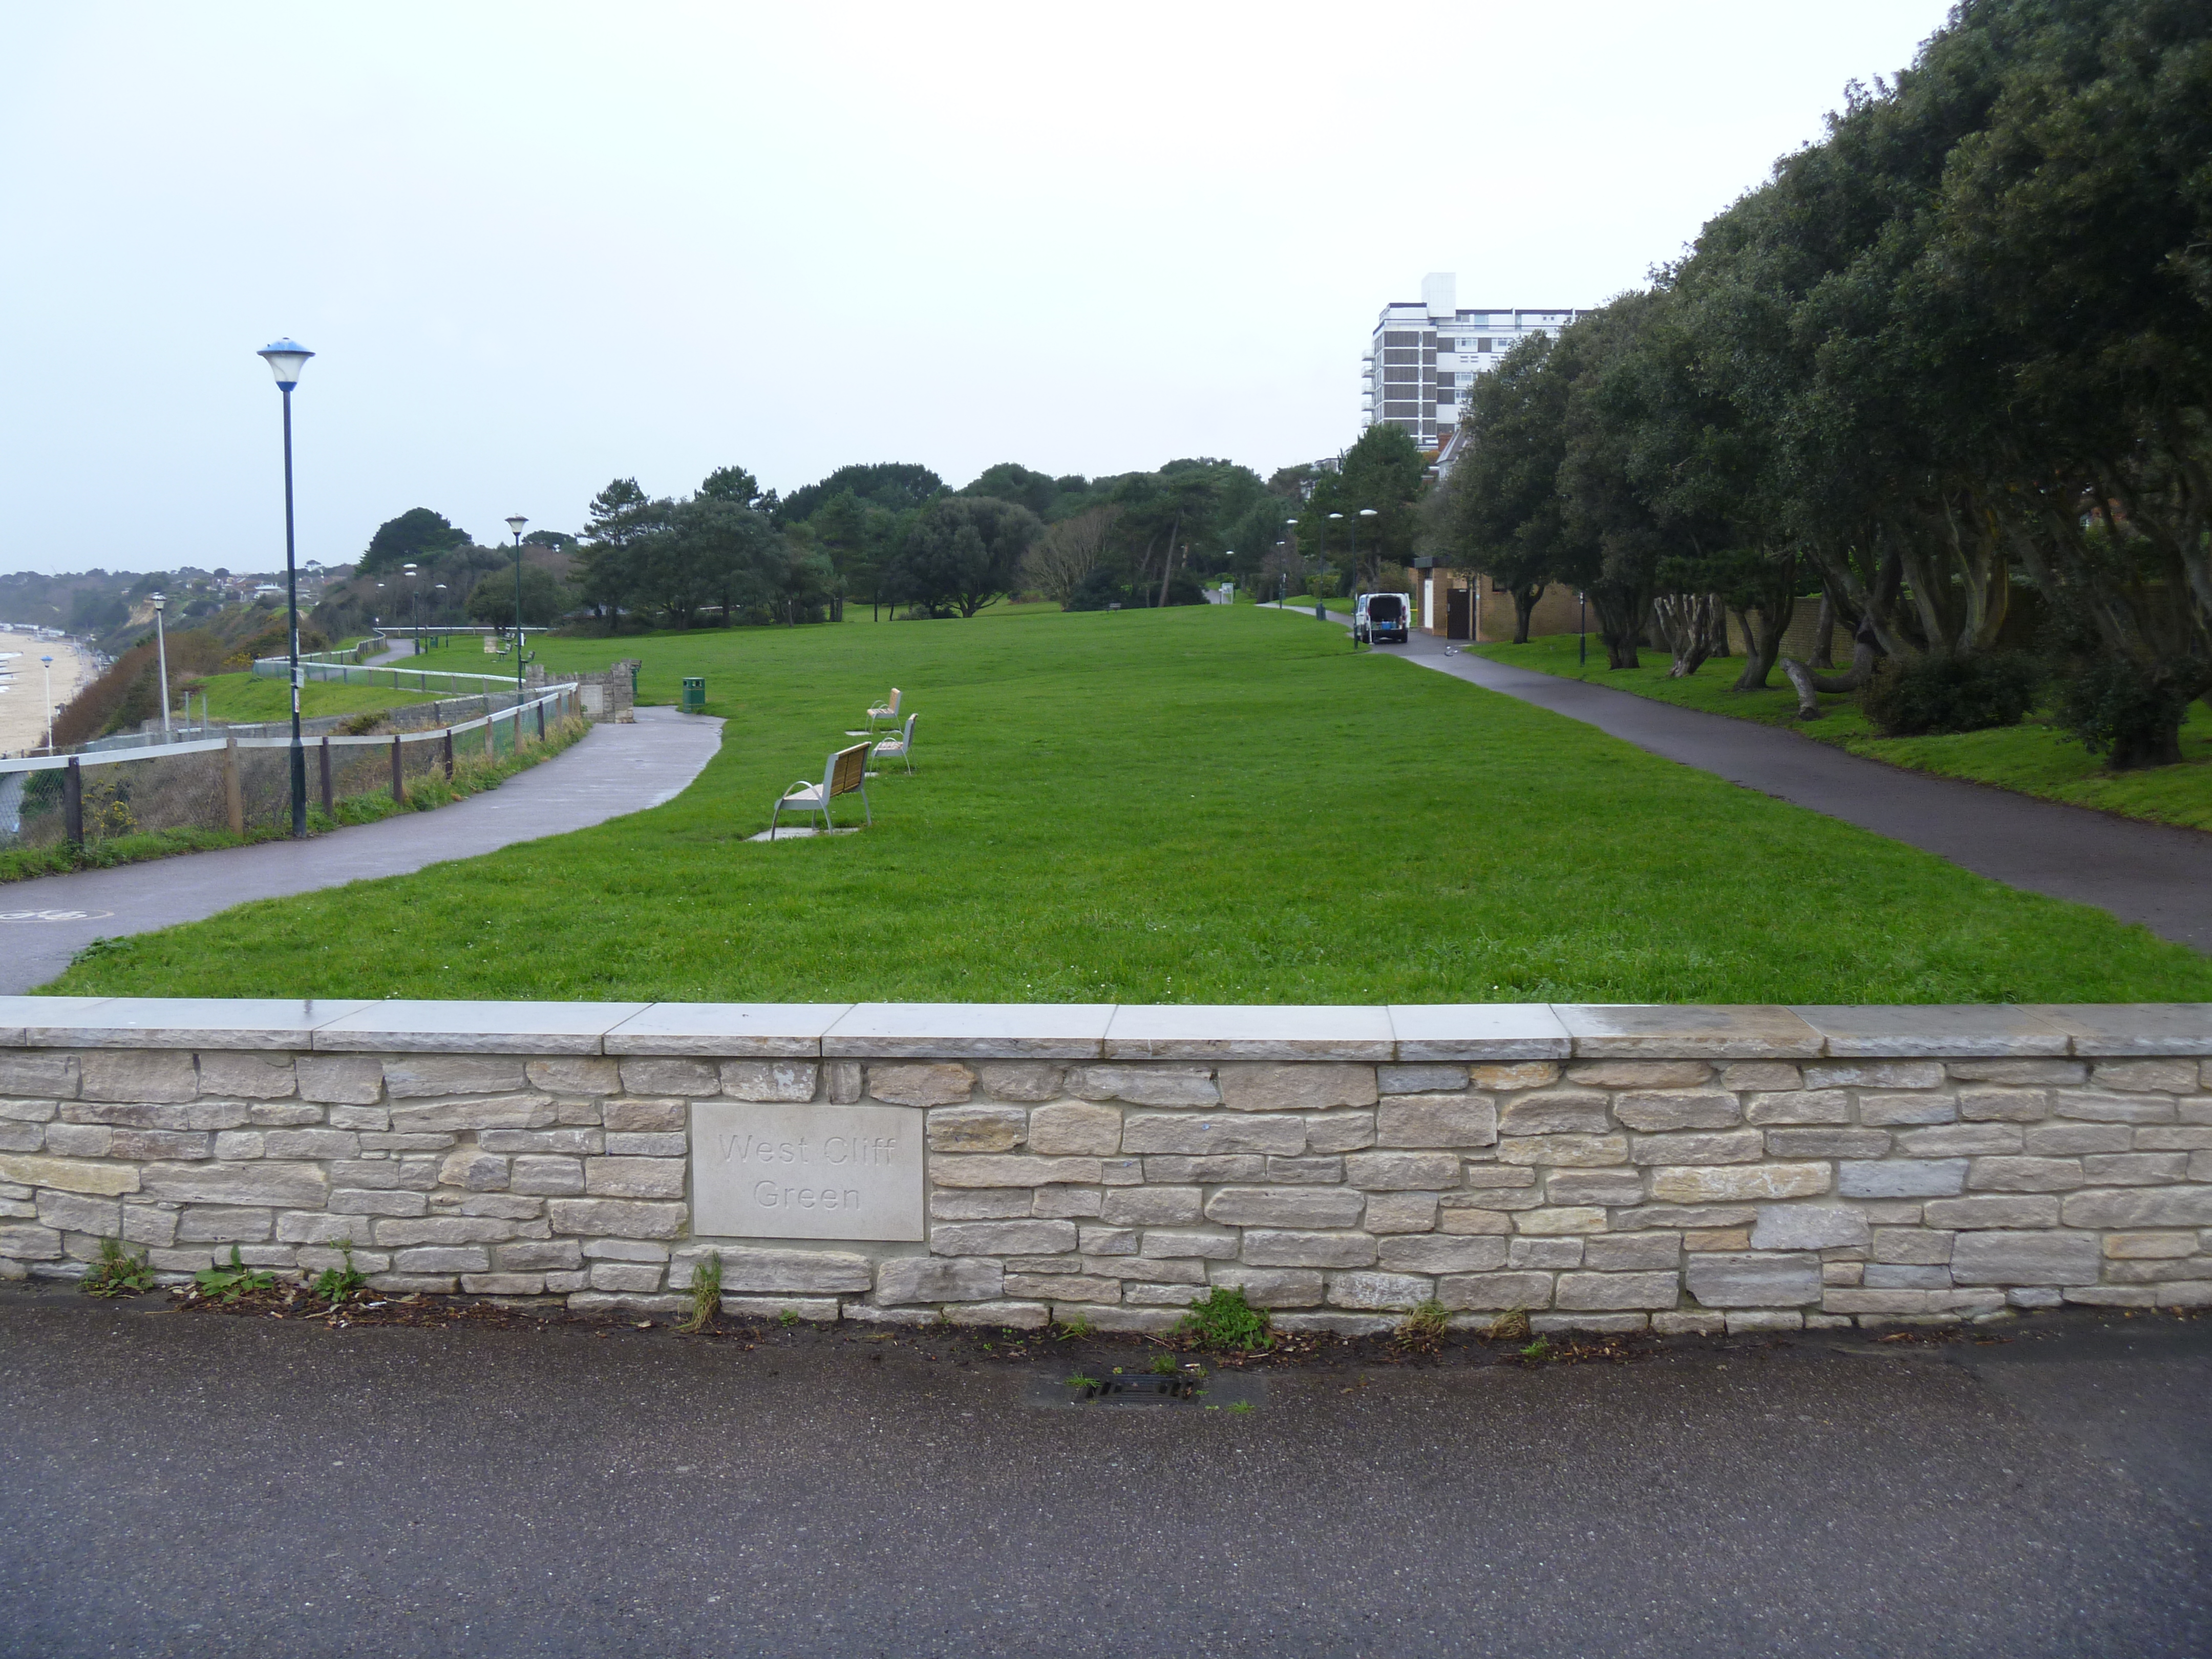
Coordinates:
541 720
446 754
329 808
233 794
398 773
73 803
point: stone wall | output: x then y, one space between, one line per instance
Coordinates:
603 697
1605 1168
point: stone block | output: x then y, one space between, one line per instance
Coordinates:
1567 1219
1615 1252
546 1174
1254 1087
339 1079
2171 1077
1149 1321
1556 1112
1439 1253
1596 1292
1030 1237
1029 1081
1002 1316
28 1111
96 1139
503 1283
1826 1143
1517 1174
1431 1080
504 1206
625 1276
1401 1171
545 1255
1717 1147
1881 1110
1301 1171
102 1218
1339 1324
2053 1257
446 1258
69 1175
1065 1203
2140 1207
285 1185
1805 1106
1601 1187
920 1083
1717 1238
16 1137
2087 1106
1122 1171
1659 1110
1502 1079
1689 1324
292 1114
782 1082
1472 1223
1340 1131
404 1283
1217 1134
137 1075
1738 1279
641 1116
1910 1247
1073 1127
38 1076
26 1243
1849 1273
373 1201
2143 1247
1102 1240
373 1143
443 1229
415 1077
1395 1292
1567 1151
1696 1184
596 1217
1754 1323
1761 1076
1640 1073
2025 1175
1901 1177
482 1112
1992 1210
1151 1207
1544 1252
1648 1216
574 1074
1012 1170
1265 1248
232 1145
473 1169
1208 1246
1064 1287
638 1146
1143 1085
982 1204
634 1177
653 1075
1401 1212
982 1129
141 1114
221 1224
1962 1141
2136 1169
909 1278
247 1076
1153 1269
1897 1276
2155 1138
624 1249
2017 1072
1273 1287
145 1224
1873 1074
1587 1324
1464 1120
1173 1170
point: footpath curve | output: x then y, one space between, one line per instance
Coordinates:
612 770
2149 873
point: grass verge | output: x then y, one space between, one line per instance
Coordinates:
1204 804
244 699
2033 758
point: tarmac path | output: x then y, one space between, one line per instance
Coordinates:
2149 873
192 1484
613 770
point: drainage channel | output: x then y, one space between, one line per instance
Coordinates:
1191 1388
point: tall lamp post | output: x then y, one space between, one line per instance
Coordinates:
1320 613
49 670
415 604
286 358
516 524
1365 513
162 652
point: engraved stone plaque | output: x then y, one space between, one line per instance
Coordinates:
807 1171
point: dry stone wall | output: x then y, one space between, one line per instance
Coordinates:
1684 1191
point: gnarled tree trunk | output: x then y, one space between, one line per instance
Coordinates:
1801 679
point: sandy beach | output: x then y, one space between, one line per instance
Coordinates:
22 696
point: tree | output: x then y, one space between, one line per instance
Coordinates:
731 483
962 553
545 599
622 519
1067 552
417 534
895 486
1496 513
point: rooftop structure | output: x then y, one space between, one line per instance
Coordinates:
1424 352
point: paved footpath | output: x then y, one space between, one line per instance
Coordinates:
614 769
186 1484
2143 872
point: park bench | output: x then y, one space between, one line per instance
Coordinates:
845 773
898 746
888 711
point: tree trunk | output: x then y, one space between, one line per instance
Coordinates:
1524 607
1824 632
1762 643
1809 707
1167 570
1863 653
1684 623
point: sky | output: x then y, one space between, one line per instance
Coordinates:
538 247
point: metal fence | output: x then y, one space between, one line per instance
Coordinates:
244 784
397 679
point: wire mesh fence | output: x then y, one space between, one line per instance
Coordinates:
244 785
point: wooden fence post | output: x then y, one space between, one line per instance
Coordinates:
330 805
446 754
541 721
398 773
233 791
73 803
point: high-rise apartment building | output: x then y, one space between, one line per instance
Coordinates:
1425 352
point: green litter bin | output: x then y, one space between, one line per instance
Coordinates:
695 696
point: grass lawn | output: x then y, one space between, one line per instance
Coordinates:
2033 757
245 698
1200 803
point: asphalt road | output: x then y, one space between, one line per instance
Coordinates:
614 769
2142 872
177 1484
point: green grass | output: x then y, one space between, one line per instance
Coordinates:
2034 758
1200 803
245 698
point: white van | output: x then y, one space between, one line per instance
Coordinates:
1380 618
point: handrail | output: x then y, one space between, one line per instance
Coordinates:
277 668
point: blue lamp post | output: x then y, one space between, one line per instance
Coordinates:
286 358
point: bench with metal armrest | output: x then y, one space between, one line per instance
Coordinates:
897 746
845 773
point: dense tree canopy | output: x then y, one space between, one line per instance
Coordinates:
416 534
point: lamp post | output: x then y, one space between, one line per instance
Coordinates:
162 652
1581 629
286 358
516 524
49 669
437 605
1320 613
414 604
1365 513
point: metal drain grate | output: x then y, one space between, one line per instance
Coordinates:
1137 1390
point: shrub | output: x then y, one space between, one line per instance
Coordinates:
1222 1319
1944 692
2117 707
1095 592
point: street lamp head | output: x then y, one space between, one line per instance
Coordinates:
160 602
1367 512
286 358
516 524
409 568
1334 516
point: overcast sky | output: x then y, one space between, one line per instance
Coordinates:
539 246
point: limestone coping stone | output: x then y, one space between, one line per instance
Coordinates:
1631 1030
728 1030
1479 1030
1471 1031
1197 1031
2130 1028
970 1031
1954 1030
